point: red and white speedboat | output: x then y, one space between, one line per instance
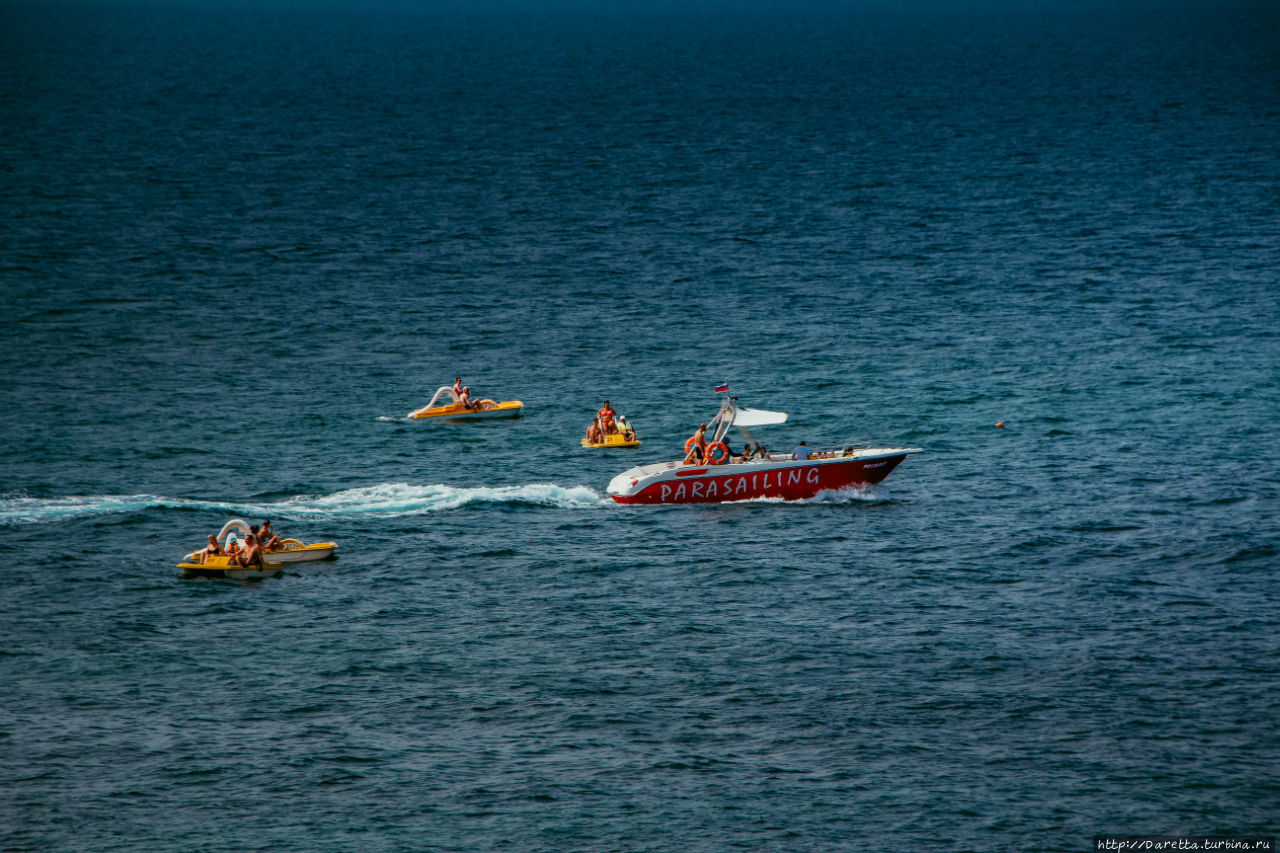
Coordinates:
724 477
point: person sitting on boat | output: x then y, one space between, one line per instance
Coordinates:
260 534
233 551
624 427
801 451
251 555
593 432
606 416
698 445
267 536
465 399
213 549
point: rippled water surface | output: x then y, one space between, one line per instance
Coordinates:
237 248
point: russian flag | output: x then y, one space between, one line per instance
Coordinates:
724 386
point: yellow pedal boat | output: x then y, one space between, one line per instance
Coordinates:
288 551
619 438
222 567
293 551
615 440
455 411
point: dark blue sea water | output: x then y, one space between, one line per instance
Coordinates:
237 246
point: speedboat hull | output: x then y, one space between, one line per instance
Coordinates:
458 412
776 477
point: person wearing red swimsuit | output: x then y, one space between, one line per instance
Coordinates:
606 416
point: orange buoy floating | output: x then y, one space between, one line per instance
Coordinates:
1000 424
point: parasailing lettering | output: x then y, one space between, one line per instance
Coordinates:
717 488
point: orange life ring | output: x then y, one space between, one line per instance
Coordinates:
712 459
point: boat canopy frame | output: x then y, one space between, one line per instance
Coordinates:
731 413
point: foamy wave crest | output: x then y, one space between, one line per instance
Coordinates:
384 500
24 510
392 499
849 494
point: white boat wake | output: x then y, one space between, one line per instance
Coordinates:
385 500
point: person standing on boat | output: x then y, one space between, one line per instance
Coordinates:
606 416
457 388
698 445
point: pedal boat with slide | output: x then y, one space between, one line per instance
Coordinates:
222 567
456 411
774 475
288 551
